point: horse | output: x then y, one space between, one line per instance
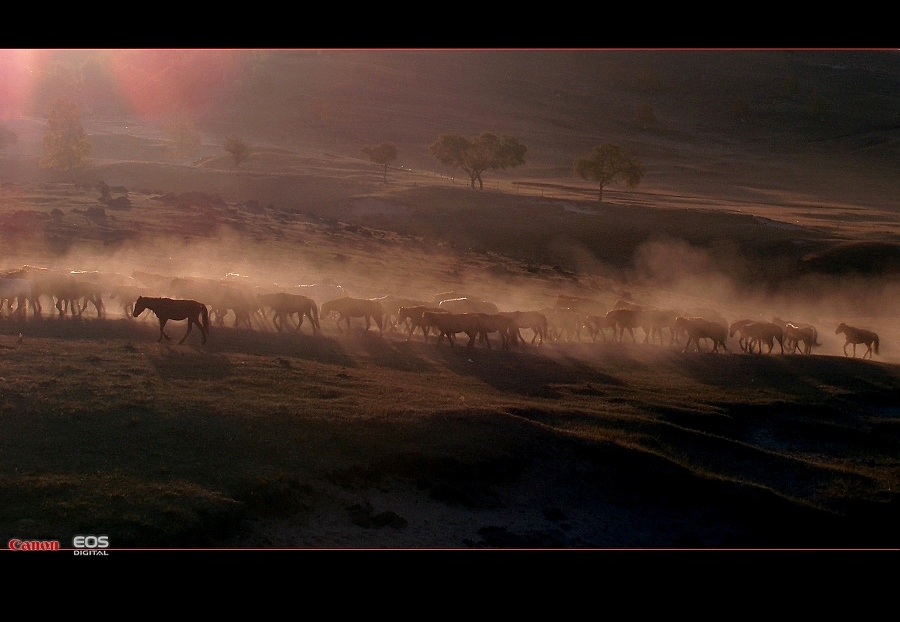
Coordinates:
392 305
698 328
126 295
413 315
564 322
449 324
235 299
18 290
171 309
348 307
497 323
73 295
534 320
793 335
624 303
858 335
654 321
759 332
597 325
623 319
789 341
738 327
284 305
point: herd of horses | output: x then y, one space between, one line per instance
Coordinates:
202 302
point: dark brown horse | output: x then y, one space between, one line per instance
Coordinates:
170 309
861 336
285 306
348 307
698 328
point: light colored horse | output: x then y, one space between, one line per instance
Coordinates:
758 333
789 343
349 307
794 335
697 328
858 335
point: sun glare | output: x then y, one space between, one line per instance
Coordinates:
19 70
162 82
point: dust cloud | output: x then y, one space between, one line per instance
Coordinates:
665 274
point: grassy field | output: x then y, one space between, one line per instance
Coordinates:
261 439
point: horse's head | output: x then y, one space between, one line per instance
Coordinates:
139 306
840 328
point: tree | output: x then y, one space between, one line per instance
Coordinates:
66 145
610 163
476 155
184 138
237 148
381 154
7 137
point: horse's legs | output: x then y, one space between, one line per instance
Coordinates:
162 325
188 332
200 326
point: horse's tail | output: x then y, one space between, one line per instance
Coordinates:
875 344
314 310
204 316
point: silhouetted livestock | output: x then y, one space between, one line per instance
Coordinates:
858 335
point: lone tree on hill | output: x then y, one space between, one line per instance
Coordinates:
237 148
381 154
608 164
66 145
476 155
7 137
